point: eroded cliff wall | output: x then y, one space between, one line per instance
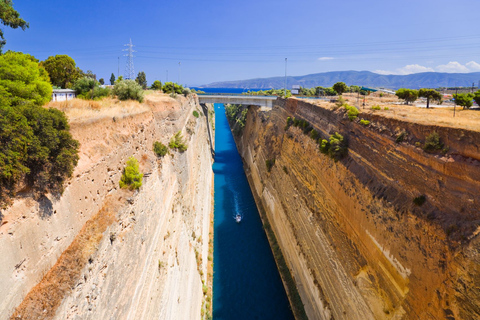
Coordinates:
146 259
355 242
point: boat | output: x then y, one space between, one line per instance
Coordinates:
238 218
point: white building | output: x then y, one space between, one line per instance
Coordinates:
63 94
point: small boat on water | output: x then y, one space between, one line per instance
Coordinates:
238 218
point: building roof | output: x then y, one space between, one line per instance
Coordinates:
63 91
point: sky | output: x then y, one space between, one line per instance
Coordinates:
200 42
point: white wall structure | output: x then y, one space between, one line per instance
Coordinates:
63 94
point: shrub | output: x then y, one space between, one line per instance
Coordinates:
156 85
289 123
195 114
128 89
386 108
269 163
313 134
401 136
170 87
418 201
83 87
352 112
160 149
177 142
336 147
339 103
131 177
364 122
376 108
432 143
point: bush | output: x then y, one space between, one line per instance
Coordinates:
418 201
177 142
170 87
364 122
160 149
83 88
352 112
195 114
336 148
131 177
376 108
386 108
401 137
128 89
156 85
269 163
432 143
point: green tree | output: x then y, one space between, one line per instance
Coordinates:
112 79
62 70
101 81
22 80
430 94
340 88
409 95
170 87
464 99
157 85
142 80
10 18
128 89
15 134
476 97
84 86
131 178
52 152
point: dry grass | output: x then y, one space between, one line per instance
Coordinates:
86 111
465 119
44 299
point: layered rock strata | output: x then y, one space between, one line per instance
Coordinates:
355 241
148 261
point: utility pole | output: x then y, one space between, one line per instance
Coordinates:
473 85
285 89
455 105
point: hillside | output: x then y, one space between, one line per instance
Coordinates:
361 78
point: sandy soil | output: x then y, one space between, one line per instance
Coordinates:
466 119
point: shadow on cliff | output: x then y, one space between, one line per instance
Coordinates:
45 207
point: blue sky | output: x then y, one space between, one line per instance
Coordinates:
226 40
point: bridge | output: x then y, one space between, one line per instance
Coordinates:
262 101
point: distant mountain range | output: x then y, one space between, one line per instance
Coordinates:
359 78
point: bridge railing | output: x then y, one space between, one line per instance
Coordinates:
234 94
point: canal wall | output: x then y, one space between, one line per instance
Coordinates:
387 232
100 252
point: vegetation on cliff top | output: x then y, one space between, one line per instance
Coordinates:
36 148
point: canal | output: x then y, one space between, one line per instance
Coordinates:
246 282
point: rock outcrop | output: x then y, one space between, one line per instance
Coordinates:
388 232
145 261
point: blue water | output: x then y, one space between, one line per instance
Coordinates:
246 283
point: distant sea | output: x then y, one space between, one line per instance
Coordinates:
226 90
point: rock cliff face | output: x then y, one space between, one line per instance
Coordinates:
355 242
142 259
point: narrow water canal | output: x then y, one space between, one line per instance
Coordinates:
246 283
